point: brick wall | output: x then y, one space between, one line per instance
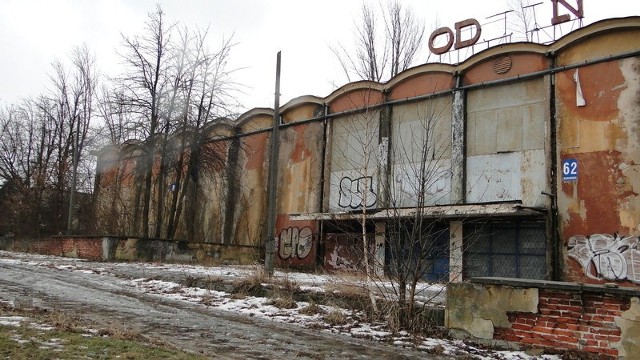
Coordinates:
77 247
594 319
100 248
572 321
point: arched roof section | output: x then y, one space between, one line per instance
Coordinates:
131 148
255 119
301 108
219 129
421 80
356 95
503 62
598 40
181 137
501 50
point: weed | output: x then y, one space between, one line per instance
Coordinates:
286 285
335 317
312 309
285 302
251 285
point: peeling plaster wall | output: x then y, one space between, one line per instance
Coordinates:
488 309
629 323
299 177
299 187
516 313
598 127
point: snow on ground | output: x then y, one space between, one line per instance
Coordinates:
349 322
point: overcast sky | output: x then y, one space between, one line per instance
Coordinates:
33 33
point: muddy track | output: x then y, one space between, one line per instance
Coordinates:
110 302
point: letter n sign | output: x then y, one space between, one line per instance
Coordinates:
578 11
569 170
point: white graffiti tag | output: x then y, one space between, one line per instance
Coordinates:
295 242
357 193
607 257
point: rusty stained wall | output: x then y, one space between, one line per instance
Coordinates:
600 210
252 198
421 134
299 186
299 168
224 203
507 146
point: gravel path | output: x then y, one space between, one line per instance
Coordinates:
109 301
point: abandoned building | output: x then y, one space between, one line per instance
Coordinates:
523 159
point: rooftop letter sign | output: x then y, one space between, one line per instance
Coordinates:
578 11
457 41
460 43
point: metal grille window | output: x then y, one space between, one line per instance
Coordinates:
514 249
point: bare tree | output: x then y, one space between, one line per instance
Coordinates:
142 88
522 22
174 87
420 157
354 161
389 168
43 144
382 50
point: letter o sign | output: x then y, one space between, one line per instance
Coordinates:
439 32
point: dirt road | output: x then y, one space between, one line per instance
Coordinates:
108 301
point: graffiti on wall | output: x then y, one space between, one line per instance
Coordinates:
357 193
607 257
294 242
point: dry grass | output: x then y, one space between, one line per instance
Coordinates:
63 321
312 309
284 301
117 332
286 285
335 318
251 285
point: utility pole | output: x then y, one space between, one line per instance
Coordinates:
272 182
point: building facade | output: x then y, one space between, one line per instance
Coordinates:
521 161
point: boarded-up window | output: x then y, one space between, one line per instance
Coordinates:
505 143
421 153
354 162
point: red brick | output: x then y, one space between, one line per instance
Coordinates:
610 351
521 327
562 332
569 326
601 331
542 330
550 312
567 307
593 344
